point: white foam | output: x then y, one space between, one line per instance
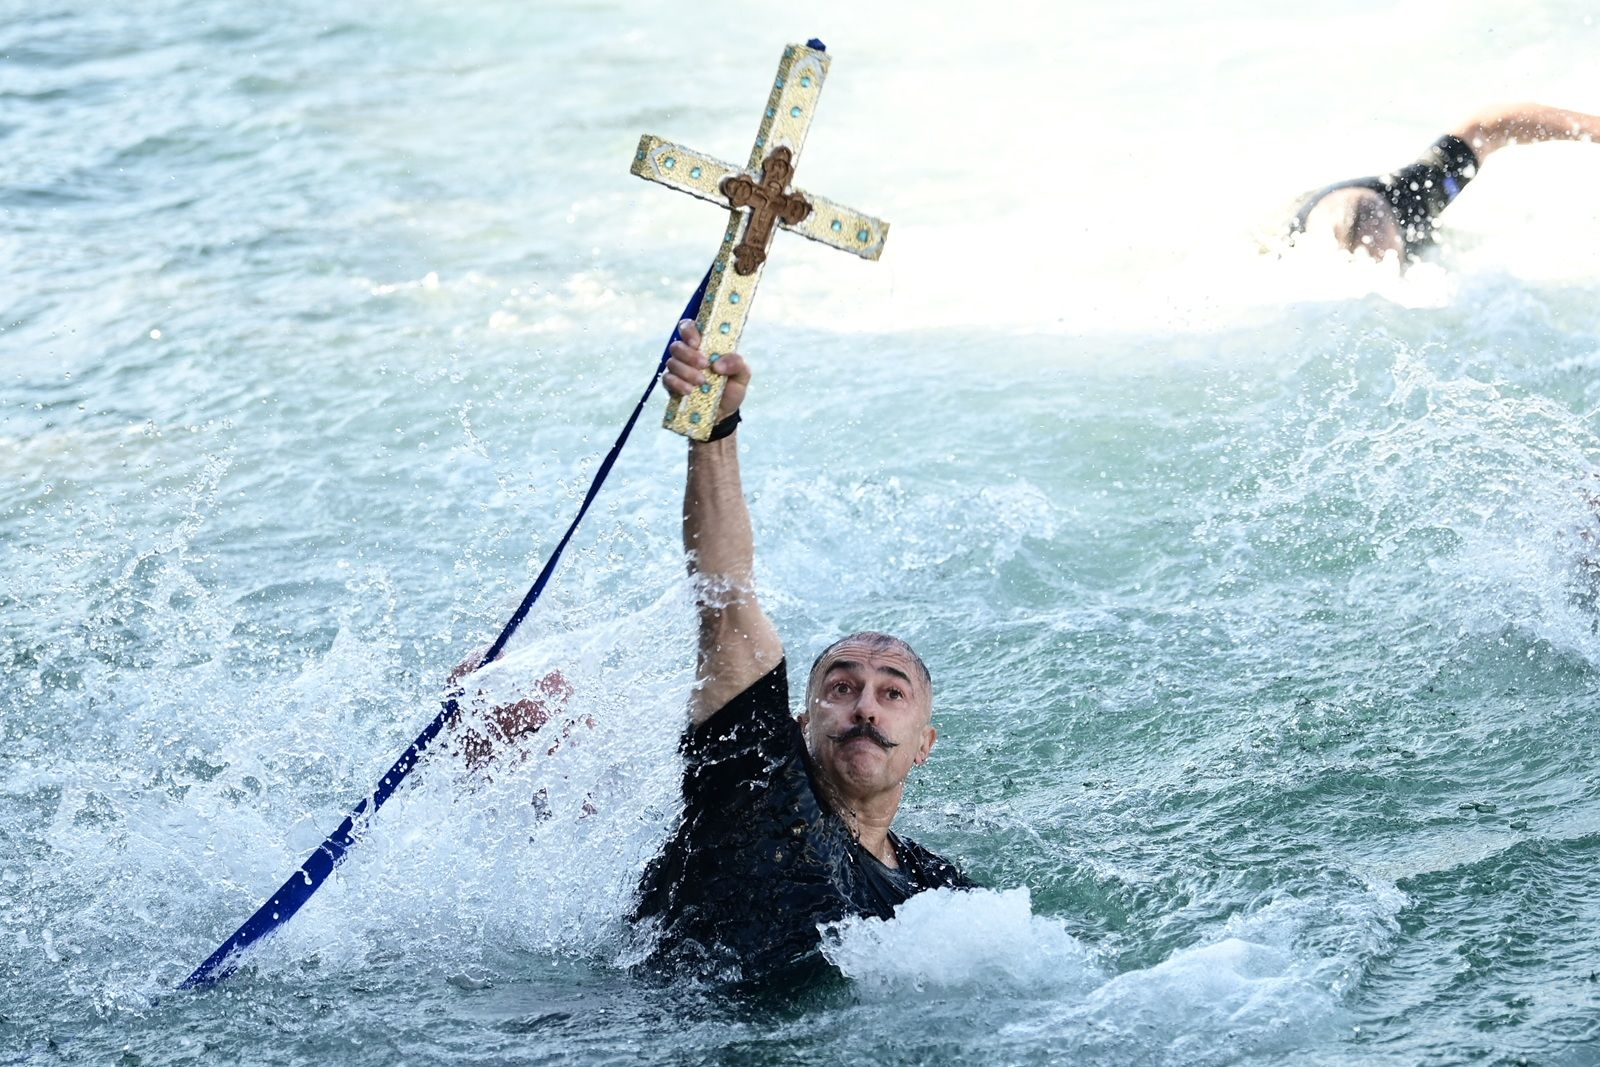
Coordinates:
948 939
542 849
1250 987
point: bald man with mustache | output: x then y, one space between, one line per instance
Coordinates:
787 820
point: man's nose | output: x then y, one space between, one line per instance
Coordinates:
866 707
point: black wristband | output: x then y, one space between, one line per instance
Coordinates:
725 427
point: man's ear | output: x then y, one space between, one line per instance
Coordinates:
929 736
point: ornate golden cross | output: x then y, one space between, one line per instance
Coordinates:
757 206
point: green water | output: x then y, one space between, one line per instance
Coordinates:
1261 607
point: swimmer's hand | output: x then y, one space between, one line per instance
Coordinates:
687 367
480 739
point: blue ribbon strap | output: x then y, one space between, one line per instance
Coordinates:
308 878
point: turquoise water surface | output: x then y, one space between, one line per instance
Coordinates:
1260 594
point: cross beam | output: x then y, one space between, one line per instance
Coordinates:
759 200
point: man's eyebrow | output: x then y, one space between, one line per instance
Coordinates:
897 672
856 665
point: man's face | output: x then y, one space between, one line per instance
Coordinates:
865 695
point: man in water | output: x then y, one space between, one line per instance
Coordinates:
1395 212
787 821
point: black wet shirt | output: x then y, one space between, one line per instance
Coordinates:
1418 192
758 859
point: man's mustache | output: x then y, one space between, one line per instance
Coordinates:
867 730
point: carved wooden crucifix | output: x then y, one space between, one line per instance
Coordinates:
760 200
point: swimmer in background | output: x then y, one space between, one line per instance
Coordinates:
1396 212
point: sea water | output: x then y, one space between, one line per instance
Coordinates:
1259 592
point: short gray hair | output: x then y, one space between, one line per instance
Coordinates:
876 641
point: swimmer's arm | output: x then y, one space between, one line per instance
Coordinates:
738 643
478 740
1494 128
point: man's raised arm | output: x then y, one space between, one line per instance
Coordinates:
738 643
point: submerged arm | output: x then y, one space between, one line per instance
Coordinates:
479 740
